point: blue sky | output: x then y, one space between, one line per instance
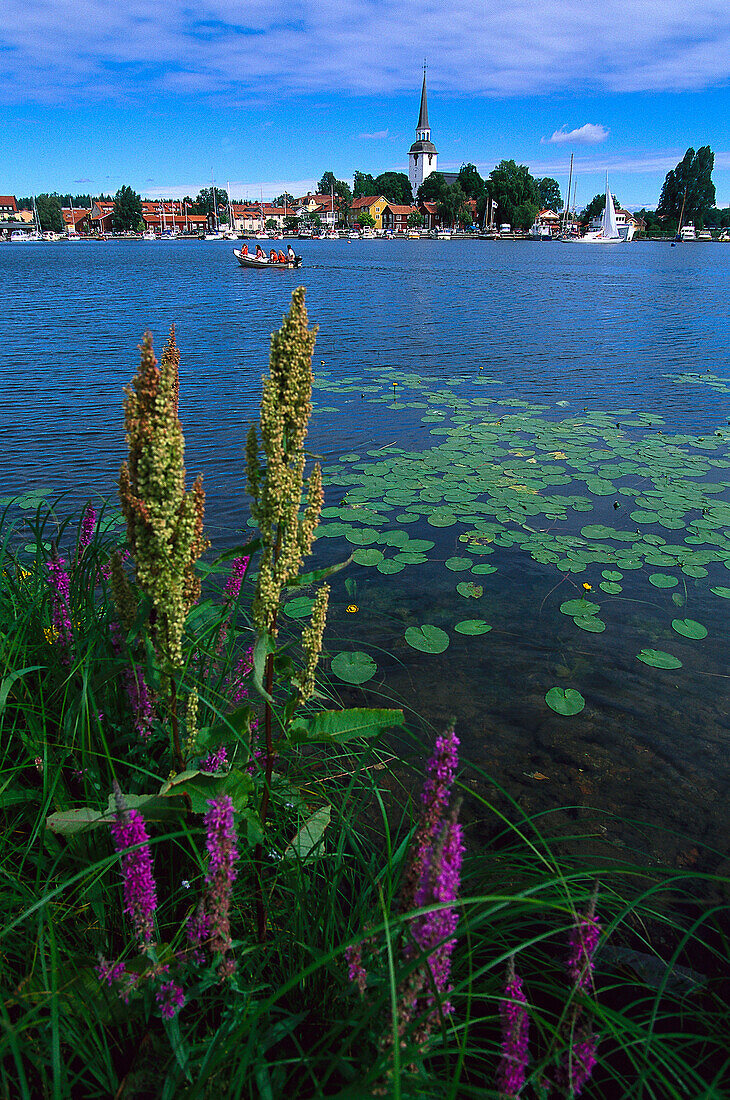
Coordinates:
159 94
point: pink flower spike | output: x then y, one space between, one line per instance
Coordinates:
171 999
222 857
511 1072
86 533
140 892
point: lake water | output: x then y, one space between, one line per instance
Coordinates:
519 420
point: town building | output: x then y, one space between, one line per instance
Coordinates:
395 217
374 205
8 206
76 222
423 155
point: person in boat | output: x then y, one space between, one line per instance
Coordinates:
282 257
291 254
273 258
260 254
244 250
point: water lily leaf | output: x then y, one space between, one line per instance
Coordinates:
360 536
299 608
663 580
391 565
354 666
472 626
484 569
418 546
720 590
427 639
658 659
565 701
368 556
689 628
441 519
590 623
579 607
456 565
469 590
610 587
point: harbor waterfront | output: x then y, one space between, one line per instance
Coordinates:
467 389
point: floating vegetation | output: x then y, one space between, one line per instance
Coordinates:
607 501
565 701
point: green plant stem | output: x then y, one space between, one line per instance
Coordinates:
176 746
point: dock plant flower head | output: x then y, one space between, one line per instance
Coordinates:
60 586
222 857
515 1024
164 520
276 486
312 643
140 892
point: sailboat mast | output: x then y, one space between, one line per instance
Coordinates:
566 211
215 208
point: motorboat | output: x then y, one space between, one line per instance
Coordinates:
704 235
687 232
264 262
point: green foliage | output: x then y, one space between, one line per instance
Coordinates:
470 182
549 192
596 206
433 189
292 223
204 201
516 193
688 191
416 220
127 212
395 187
284 199
270 223
363 184
49 213
365 219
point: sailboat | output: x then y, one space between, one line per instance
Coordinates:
20 236
217 234
608 233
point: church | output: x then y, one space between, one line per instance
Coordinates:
423 154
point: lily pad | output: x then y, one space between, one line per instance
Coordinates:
658 659
457 565
472 626
427 639
441 519
590 623
689 628
720 590
368 556
579 607
354 666
565 701
469 590
663 580
299 608
360 536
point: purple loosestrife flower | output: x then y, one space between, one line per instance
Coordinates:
236 684
111 972
86 534
215 761
140 892
581 1061
135 688
434 932
356 972
171 999
198 932
511 1071
440 775
222 856
230 596
59 583
582 945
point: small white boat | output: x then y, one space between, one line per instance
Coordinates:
264 262
687 232
217 236
704 235
608 233
19 237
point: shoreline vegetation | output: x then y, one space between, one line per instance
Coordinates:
218 881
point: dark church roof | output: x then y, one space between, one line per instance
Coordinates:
423 116
423 147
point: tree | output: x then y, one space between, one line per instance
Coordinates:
433 188
549 191
451 204
271 224
470 181
285 199
416 220
688 192
365 219
395 187
291 223
49 213
325 185
204 202
596 206
363 184
516 193
127 212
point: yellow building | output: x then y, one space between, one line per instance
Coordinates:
374 205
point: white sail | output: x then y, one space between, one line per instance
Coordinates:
610 229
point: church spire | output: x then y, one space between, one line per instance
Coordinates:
423 117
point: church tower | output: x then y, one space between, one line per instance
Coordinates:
423 156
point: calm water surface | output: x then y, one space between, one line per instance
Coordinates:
568 328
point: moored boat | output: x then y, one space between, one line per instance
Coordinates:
251 261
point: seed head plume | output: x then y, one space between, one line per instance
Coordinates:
164 521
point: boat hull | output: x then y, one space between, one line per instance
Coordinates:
251 261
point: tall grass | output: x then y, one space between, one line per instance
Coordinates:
274 1014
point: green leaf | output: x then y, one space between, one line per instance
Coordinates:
316 575
309 840
354 666
565 701
720 590
299 608
427 639
343 725
579 607
663 580
263 646
457 565
656 658
590 623
10 679
368 556
689 628
472 627
469 590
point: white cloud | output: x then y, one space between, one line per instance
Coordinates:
240 189
227 52
590 134
377 136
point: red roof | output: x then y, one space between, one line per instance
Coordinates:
402 209
8 200
77 215
365 200
430 207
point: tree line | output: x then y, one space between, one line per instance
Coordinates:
688 194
